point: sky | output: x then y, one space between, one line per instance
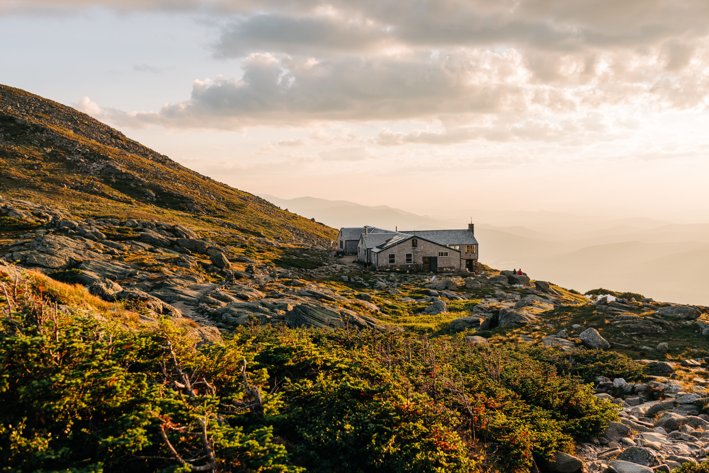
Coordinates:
440 107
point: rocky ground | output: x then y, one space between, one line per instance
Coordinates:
170 270
662 426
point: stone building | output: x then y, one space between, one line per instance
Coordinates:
348 238
418 250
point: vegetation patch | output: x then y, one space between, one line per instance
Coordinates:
94 394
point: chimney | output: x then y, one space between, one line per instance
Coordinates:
471 227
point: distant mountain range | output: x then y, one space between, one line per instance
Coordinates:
341 213
667 261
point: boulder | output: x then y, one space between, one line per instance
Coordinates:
563 463
554 341
218 258
311 315
508 318
437 306
370 306
516 279
98 285
703 327
114 270
146 300
616 431
183 232
465 323
472 283
659 368
476 340
534 304
639 455
192 244
679 312
246 293
490 321
670 421
542 286
43 260
152 237
621 466
592 339
52 251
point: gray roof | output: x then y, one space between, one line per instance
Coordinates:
402 237
446 237
353 233
374 240
392 241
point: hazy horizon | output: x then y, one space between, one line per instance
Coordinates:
662 260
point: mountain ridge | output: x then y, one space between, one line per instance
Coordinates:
52 152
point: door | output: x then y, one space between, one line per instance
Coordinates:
433 264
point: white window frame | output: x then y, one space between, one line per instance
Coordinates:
442 254
392 258
409 258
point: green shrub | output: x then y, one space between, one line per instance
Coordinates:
81 393
590 364
693 468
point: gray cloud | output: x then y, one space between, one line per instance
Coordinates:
286 90
500 130
295 34
318 60
312 25
555 25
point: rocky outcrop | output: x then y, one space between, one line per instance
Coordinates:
436 306
679 312
509 318
563 463
592 339
465 323
311 315
144 299
218 258
653 434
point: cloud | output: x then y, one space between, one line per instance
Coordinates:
292 90
296 34
311 25
541 129
89 107
305 61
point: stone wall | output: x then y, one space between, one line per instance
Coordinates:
424 248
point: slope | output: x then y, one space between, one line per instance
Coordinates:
55 155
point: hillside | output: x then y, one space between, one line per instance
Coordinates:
153 319
54 155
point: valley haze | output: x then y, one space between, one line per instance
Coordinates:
659 259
